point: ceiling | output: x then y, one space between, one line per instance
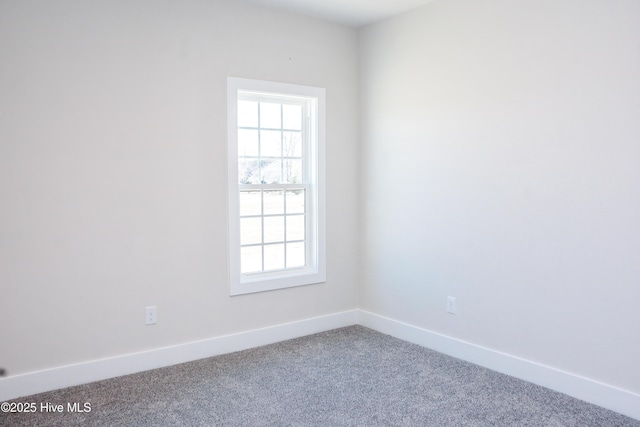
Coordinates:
355 13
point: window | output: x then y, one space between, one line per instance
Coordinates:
276 185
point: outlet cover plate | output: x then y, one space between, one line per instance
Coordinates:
150 315
451 305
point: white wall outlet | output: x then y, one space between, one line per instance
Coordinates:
451 305
150 315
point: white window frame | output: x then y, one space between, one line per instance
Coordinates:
314 160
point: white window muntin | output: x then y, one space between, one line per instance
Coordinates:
307 133
312 101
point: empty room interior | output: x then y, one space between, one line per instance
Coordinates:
478 194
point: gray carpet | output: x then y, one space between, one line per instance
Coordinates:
347 377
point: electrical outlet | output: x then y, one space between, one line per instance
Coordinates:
150 315
451 305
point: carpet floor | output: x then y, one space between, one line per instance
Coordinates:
346 377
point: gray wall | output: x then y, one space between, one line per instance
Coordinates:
113 172
500 153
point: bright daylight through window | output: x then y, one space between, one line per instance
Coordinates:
276 185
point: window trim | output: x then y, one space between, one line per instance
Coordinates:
240 283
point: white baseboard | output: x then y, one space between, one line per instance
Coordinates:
27 384
607 396
604 395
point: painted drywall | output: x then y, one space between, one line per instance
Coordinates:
500 165
113 172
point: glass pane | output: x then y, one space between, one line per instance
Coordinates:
295 227
248 142
295 255
270 115
250 231
292 172
274 229
250 203
292 117
292 144
271 170
248 114
273 202
273 257
251 259
248 171
270 143
295 201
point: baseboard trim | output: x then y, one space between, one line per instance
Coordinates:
604 395
30 383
